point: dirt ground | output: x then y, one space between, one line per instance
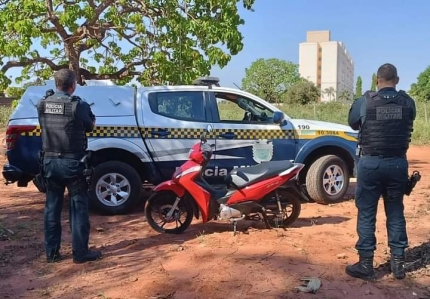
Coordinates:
207 261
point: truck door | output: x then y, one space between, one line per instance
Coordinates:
172 122
245 133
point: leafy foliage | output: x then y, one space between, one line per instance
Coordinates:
330 92
16 92
270 78
421 89
159 41
344 95
303 92
373 85
358 88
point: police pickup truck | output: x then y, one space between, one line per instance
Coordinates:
142 135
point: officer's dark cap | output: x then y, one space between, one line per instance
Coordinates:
64 79
387 72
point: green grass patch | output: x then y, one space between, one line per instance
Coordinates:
337 112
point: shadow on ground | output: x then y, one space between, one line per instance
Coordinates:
417 258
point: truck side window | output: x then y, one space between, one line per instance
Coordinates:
182 105
237 109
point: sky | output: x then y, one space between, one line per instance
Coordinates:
373 31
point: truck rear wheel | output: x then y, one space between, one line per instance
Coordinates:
115 188
327 179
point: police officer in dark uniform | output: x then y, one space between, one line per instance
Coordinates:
385 119
64 121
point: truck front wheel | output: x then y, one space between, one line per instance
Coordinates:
115 188
327 179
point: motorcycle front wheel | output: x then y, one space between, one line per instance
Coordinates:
157 209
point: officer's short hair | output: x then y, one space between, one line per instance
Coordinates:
64 79
387 72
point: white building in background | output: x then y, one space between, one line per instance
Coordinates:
326 63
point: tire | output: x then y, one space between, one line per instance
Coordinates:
318 172
100 196
160 203
287 198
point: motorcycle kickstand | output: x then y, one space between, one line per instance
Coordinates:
263 212
234 227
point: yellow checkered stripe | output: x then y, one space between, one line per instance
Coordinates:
36 132
257 134
115 131
100 131
190 133
177 133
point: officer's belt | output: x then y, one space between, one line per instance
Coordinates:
77 156
385 156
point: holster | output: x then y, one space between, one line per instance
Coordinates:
89 170
39 179
412 181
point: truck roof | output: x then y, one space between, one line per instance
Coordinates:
107 99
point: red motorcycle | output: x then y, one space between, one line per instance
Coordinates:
262 192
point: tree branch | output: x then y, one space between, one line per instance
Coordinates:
54 20
123 72
48 30
98 10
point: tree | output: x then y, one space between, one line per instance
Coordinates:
373 85
330 91
169 41
344 95
303 92
270 78
358 88
421 89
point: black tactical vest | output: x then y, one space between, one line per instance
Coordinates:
61 131
388 124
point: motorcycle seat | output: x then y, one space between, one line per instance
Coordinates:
242 177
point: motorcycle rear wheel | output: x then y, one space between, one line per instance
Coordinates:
159 204
289 201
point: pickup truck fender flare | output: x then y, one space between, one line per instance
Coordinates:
97 144
334 141
108 143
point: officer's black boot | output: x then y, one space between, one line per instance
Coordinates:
363 269
88 257
398 266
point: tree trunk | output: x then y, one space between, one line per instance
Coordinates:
73 56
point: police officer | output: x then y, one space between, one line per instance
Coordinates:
385 120
64 120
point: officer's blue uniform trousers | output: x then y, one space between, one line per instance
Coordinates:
378 176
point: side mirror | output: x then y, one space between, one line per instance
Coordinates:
209 128
203 138
278 118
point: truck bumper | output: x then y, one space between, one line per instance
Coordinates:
13 174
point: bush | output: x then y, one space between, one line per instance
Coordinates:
5 112
15 103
